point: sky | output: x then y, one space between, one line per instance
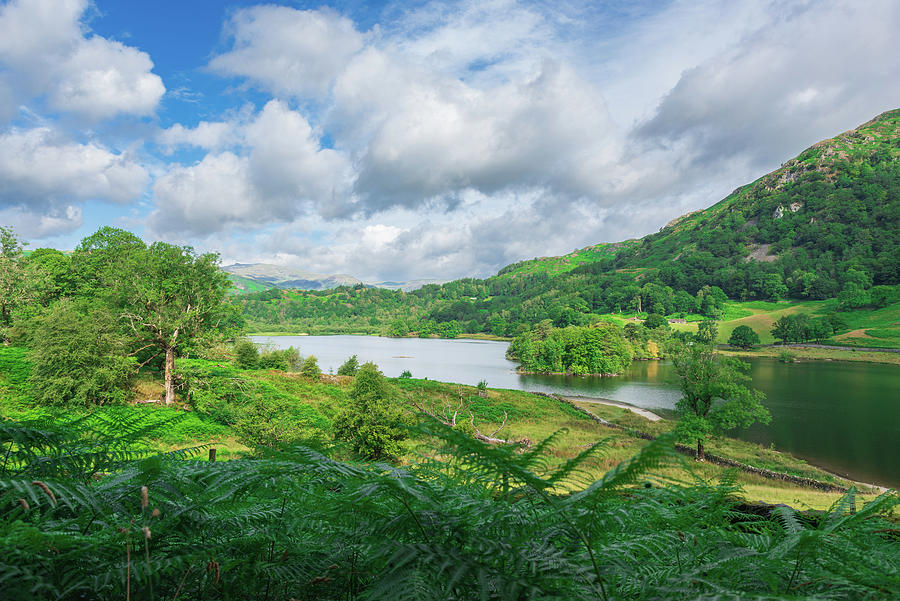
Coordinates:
407 140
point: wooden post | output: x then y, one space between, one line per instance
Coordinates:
212 455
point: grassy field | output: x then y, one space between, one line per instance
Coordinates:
865 327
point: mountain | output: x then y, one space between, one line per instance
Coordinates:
287 277
825 225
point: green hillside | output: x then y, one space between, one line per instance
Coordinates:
566 263
242 285
822 227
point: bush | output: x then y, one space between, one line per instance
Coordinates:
78 357
787 357
310 368
258 412
372 425
349 367
743 337
406 374
655 320
246 355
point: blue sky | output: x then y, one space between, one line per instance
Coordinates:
408 140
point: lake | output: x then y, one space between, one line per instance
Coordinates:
843 416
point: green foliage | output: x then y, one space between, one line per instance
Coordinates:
405 374
246 354
715 396
283 359
78 357
372 424
599 349
258 412
350 367
481 522
655 320
707 331
787 357
743 337
310 368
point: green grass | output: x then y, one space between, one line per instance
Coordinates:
566 263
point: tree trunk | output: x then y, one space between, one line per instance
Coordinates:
170 375
700 455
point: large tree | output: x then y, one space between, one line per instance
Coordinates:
169 296
715 396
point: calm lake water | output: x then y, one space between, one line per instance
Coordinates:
843 416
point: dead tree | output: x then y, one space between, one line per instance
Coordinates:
449 416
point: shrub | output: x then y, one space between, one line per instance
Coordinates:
406 374
349 367
246 355
372 425
655 320
78 357
310 367
743 337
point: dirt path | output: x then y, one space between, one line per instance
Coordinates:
642 412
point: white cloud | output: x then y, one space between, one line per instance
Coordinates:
278 171
207 197
206 135
38 167
287 51
288 165
104 78
42 224
43 50
809 71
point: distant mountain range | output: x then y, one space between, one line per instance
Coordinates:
254 277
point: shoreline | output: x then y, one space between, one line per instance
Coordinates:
601 401
654 418
815 353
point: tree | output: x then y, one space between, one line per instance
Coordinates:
350 367
79 356
10 276
655 320
169 296
372 425
744 337
310 368
715 395
707 331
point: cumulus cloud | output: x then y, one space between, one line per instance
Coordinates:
208 135
38 166
809 71
44 177
57 220
43 50
278 172
287 51
103 78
